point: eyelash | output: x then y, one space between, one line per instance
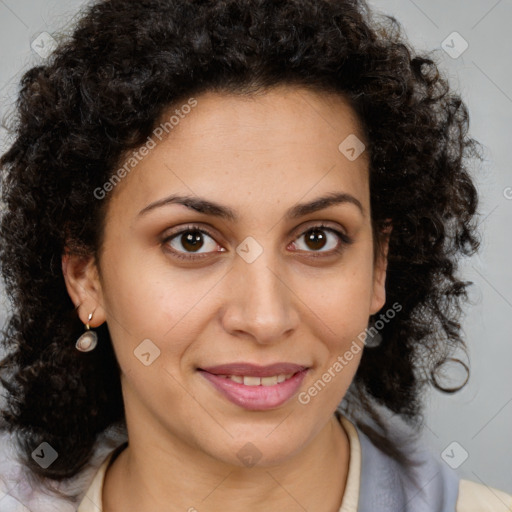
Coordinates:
345 240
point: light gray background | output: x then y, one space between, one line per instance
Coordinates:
479 418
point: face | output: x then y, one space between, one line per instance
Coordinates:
278 291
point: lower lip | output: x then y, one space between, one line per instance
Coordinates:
257 398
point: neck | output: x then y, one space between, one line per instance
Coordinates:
146 478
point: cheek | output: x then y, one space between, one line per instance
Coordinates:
147 300
343 300
341 306
340 323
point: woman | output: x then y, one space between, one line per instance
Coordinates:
230 238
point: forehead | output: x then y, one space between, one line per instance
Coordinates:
279 146
297 114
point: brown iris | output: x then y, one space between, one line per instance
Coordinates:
192 240
316 239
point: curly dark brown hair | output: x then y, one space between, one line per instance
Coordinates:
101 93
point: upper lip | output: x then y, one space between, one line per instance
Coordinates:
253 370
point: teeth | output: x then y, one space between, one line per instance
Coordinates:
249 380
269 381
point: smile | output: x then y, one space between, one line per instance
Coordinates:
253 387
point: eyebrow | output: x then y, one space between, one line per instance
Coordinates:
207 207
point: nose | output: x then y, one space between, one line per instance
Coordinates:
259 303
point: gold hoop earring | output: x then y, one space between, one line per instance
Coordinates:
88 340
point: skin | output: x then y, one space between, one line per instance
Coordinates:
259 155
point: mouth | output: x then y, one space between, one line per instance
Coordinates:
253 387
249 380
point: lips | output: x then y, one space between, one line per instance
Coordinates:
256 387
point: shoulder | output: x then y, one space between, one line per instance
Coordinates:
429 485
11 481
475 497
19 493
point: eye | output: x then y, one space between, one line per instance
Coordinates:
317 238
191 240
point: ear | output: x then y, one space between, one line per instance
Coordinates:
84 287
379 271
